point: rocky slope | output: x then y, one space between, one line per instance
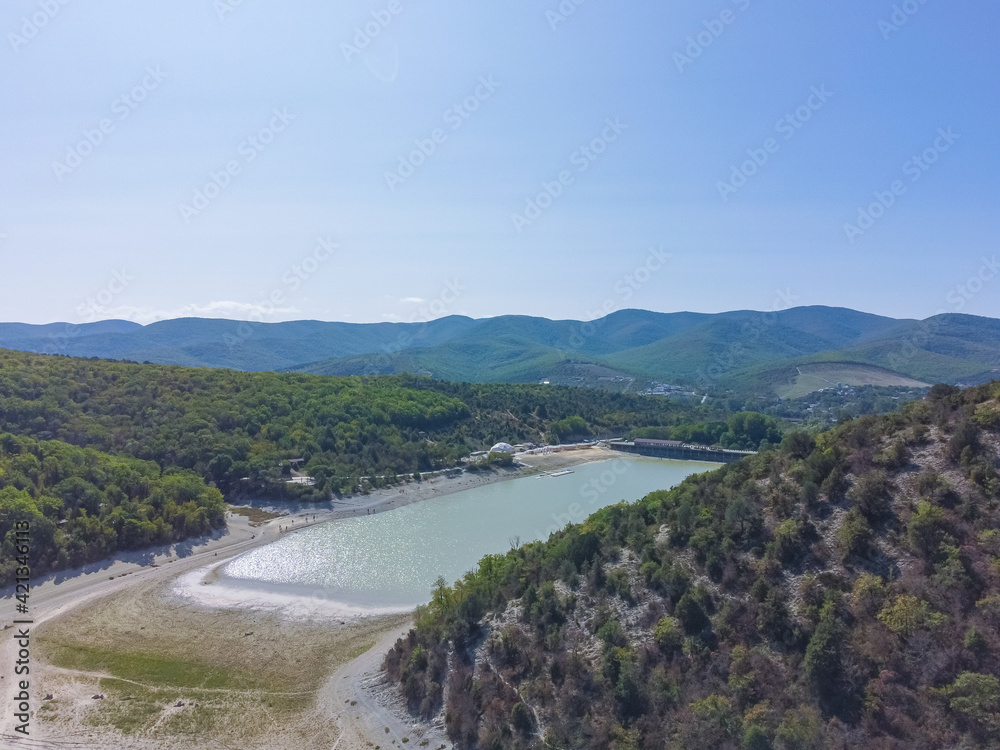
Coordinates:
839 591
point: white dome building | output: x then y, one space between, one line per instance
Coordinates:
502 448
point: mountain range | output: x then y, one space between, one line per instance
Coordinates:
768 353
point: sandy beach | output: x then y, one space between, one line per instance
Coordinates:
281 672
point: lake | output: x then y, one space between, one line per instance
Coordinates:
392 559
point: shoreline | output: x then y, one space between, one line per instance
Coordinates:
153 580
207 587
241 535
203 587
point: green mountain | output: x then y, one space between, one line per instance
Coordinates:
741 350
838 591
733 342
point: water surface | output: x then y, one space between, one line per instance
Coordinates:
392 559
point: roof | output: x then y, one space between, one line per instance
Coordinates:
662 443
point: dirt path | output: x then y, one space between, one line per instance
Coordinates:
358 693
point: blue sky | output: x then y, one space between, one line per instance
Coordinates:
315 131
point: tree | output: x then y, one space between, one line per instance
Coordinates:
871 496
824 664
800 729
691 614
798 444
926 529
855 536
907 614
976 697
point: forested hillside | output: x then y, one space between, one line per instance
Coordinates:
239 429
742 350
837 592
82 505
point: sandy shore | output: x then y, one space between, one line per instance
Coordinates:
413 492
131 604
240 535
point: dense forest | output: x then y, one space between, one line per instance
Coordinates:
83 505
238 430
837 591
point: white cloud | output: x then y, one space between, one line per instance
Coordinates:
415 300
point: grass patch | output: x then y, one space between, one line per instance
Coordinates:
363 648
132 709
129 708
148 669
814 377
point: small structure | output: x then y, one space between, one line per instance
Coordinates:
677 450
503 448
650 443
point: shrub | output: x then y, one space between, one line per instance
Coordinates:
966 436
870 495
716 721
835 484
988 415
691 614
868 595
500 458
935 488
800 729
755 738
798 444
772 615
612 635
893 456
617 582
907 614
810 493
824 662
975 642
855 536
668 634
521 718
926 529
788 545
942 391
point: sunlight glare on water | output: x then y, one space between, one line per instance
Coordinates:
392 559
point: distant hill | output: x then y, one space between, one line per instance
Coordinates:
742 350
209 342
60 331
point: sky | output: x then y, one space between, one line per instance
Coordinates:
403 160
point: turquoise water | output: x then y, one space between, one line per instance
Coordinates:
392 559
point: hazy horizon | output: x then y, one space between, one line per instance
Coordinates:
421 320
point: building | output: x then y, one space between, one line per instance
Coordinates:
502 448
